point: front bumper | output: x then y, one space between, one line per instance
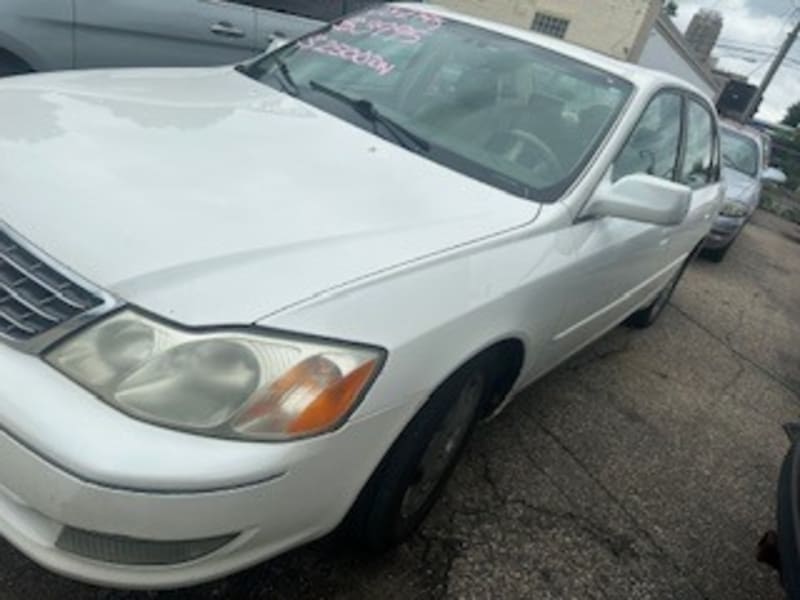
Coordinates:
724 231
71 464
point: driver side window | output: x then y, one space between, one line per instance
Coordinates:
654 144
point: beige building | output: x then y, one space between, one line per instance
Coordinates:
616 27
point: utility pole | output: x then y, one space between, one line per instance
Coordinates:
773 69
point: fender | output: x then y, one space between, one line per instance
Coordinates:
24 52
39 32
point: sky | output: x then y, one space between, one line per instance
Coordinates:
757 28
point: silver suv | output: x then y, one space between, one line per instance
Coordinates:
47 35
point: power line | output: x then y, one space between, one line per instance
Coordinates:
773 69
760 66
756 51
757 45
752 56
726 46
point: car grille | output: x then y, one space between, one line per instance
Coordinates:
122 550
34 297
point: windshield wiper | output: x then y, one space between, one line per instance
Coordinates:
368 111
283 74
285 78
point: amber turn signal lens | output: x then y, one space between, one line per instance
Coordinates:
312 397
333 403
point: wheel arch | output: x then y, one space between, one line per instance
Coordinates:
15 59
20 51
505 357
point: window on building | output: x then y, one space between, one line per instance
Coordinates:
550 25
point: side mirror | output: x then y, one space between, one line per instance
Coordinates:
774 175
641 198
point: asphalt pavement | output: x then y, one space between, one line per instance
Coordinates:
643 468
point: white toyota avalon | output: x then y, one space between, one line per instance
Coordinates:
242 307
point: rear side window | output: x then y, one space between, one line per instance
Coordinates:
699 168
321 10
653 146
355 5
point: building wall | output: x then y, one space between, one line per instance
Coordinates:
615 27
661 54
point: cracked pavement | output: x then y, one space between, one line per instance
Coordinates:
644 468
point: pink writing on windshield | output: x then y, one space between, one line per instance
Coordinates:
392 23
322 44
402 32
428 21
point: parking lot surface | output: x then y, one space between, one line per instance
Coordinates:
643 468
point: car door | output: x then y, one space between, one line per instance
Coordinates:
700 170
162 32
618 263
38 32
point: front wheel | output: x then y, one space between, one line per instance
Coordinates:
716 255
646 317
413 473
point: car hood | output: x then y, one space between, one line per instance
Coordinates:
740 187
206 197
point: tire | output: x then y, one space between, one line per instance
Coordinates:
646 317
788 530
413 474
716 255
11 64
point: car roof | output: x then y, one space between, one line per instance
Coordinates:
641 77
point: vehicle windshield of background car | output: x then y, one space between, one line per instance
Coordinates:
511 114
740 152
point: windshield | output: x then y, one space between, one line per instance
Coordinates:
503 111
740 152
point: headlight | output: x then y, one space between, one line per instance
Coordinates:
223 383
732 208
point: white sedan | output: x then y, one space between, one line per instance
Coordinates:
241 307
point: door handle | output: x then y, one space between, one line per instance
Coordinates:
226 29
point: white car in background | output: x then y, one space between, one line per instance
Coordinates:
240 307
49 35
745 161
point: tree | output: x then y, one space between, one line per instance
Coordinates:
670 7
792 118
